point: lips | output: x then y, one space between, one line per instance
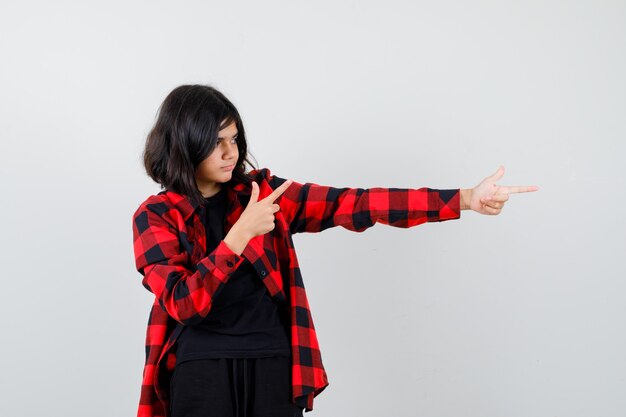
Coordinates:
229 167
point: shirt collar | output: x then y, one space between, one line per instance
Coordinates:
186 207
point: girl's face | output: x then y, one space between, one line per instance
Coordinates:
218 166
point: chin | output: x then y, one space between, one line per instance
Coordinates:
226 176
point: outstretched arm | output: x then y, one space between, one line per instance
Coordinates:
311 207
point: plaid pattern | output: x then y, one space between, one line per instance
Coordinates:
170 253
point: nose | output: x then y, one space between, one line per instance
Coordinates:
230 151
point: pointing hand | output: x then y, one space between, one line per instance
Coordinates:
489 198
258 216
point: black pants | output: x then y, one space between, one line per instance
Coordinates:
239 387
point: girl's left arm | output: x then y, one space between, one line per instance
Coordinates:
311 207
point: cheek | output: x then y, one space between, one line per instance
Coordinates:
213 161
207 165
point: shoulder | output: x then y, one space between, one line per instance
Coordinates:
163 205
260 174
157 203
265 174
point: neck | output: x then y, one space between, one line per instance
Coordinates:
211 192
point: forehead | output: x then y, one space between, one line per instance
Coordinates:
229 130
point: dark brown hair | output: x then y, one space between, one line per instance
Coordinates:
185 133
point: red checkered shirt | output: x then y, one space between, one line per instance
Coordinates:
170 253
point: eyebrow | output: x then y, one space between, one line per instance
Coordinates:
222 137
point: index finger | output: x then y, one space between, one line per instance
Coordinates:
521 189
277 192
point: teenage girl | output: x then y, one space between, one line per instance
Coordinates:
230 332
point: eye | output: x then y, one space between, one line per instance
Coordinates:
233 140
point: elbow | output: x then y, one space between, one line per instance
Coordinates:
192 321
182 311
187 301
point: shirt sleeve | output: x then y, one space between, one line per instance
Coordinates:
185 294
311 207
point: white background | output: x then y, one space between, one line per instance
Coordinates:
518 315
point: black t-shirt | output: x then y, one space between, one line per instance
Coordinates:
244 320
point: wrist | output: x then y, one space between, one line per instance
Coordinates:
466 198
236 239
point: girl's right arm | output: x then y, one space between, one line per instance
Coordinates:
185 295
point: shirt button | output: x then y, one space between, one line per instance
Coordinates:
263 273
229 263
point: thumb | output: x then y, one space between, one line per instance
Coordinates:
498 174
254 195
